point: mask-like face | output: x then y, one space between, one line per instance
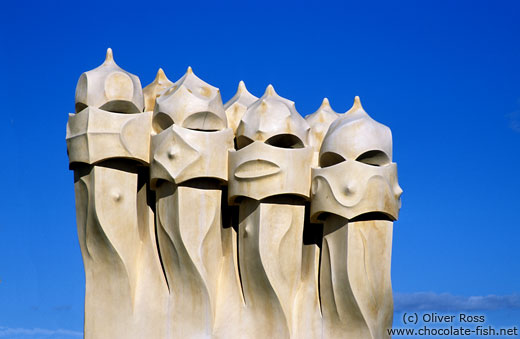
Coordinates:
356 175
190 103
110 88
180 154
273 156
190 136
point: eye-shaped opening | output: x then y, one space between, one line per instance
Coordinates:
161 121
204 121
242 141
330 159
285 141
120 106
374 158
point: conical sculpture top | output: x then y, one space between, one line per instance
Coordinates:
237 105
155 89
320 122
109 87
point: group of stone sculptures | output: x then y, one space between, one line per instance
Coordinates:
199 219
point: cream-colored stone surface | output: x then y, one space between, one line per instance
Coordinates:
319 122
189 231
183 236
155 89
180 154
356 291
95 135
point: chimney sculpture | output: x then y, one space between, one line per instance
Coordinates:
355 192
187 169
203 220
108 141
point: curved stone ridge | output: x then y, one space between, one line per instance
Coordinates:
274 227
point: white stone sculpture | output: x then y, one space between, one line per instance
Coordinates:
203 220
355 192
188 166
269 177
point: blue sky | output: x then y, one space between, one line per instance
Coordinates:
444 76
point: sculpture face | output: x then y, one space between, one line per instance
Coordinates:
356 175
273 156
110 88
181 154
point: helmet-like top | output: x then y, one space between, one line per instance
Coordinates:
274 120
356 136
110 88
190 103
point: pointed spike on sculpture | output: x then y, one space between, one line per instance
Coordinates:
242 87
357 104
269 91
189 70
160 77
325 103
109 59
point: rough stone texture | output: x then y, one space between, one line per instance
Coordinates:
244 220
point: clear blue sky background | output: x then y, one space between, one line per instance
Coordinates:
444 76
